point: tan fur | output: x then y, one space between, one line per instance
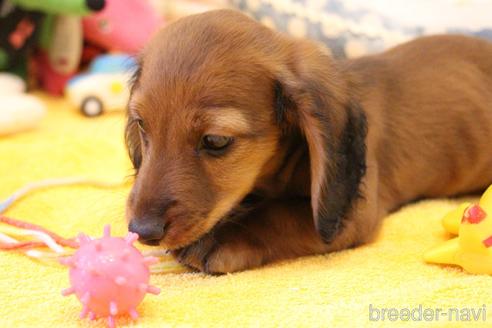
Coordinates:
428 107
224 121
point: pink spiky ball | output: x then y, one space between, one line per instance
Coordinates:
109 276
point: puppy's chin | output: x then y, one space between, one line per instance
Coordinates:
180 234
186 231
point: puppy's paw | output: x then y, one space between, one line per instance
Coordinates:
231 257
216 255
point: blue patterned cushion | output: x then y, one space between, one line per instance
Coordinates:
352 28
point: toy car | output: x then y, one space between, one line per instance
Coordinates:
104 87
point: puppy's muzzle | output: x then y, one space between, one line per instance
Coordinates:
150 230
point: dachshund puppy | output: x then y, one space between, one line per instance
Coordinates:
252 147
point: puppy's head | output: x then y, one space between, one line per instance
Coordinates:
213 99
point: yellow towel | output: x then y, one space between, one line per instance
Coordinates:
337 289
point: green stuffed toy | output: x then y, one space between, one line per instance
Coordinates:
52 26
25 24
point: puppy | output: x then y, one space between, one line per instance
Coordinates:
252 147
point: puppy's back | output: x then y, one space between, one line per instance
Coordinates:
433 107
451 48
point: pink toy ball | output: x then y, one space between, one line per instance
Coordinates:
109 276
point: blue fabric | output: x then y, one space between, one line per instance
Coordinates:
354 27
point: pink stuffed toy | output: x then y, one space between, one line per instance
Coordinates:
122 25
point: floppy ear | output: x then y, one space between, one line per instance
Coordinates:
334 126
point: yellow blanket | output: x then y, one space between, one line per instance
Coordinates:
349 288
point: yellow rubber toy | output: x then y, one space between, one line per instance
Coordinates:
472 248
451 221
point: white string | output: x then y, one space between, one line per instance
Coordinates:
53 183
50 242
31 252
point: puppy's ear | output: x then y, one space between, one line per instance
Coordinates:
132 134
317 95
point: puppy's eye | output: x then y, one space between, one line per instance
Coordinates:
216 144
143 133
141 126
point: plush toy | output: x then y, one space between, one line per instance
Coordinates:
51 26
18 110
472 248
122 26
59 58
27 22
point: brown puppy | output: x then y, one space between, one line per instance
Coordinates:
252 147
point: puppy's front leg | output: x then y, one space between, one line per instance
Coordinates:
277 231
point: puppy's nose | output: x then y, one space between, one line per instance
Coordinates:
150 231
